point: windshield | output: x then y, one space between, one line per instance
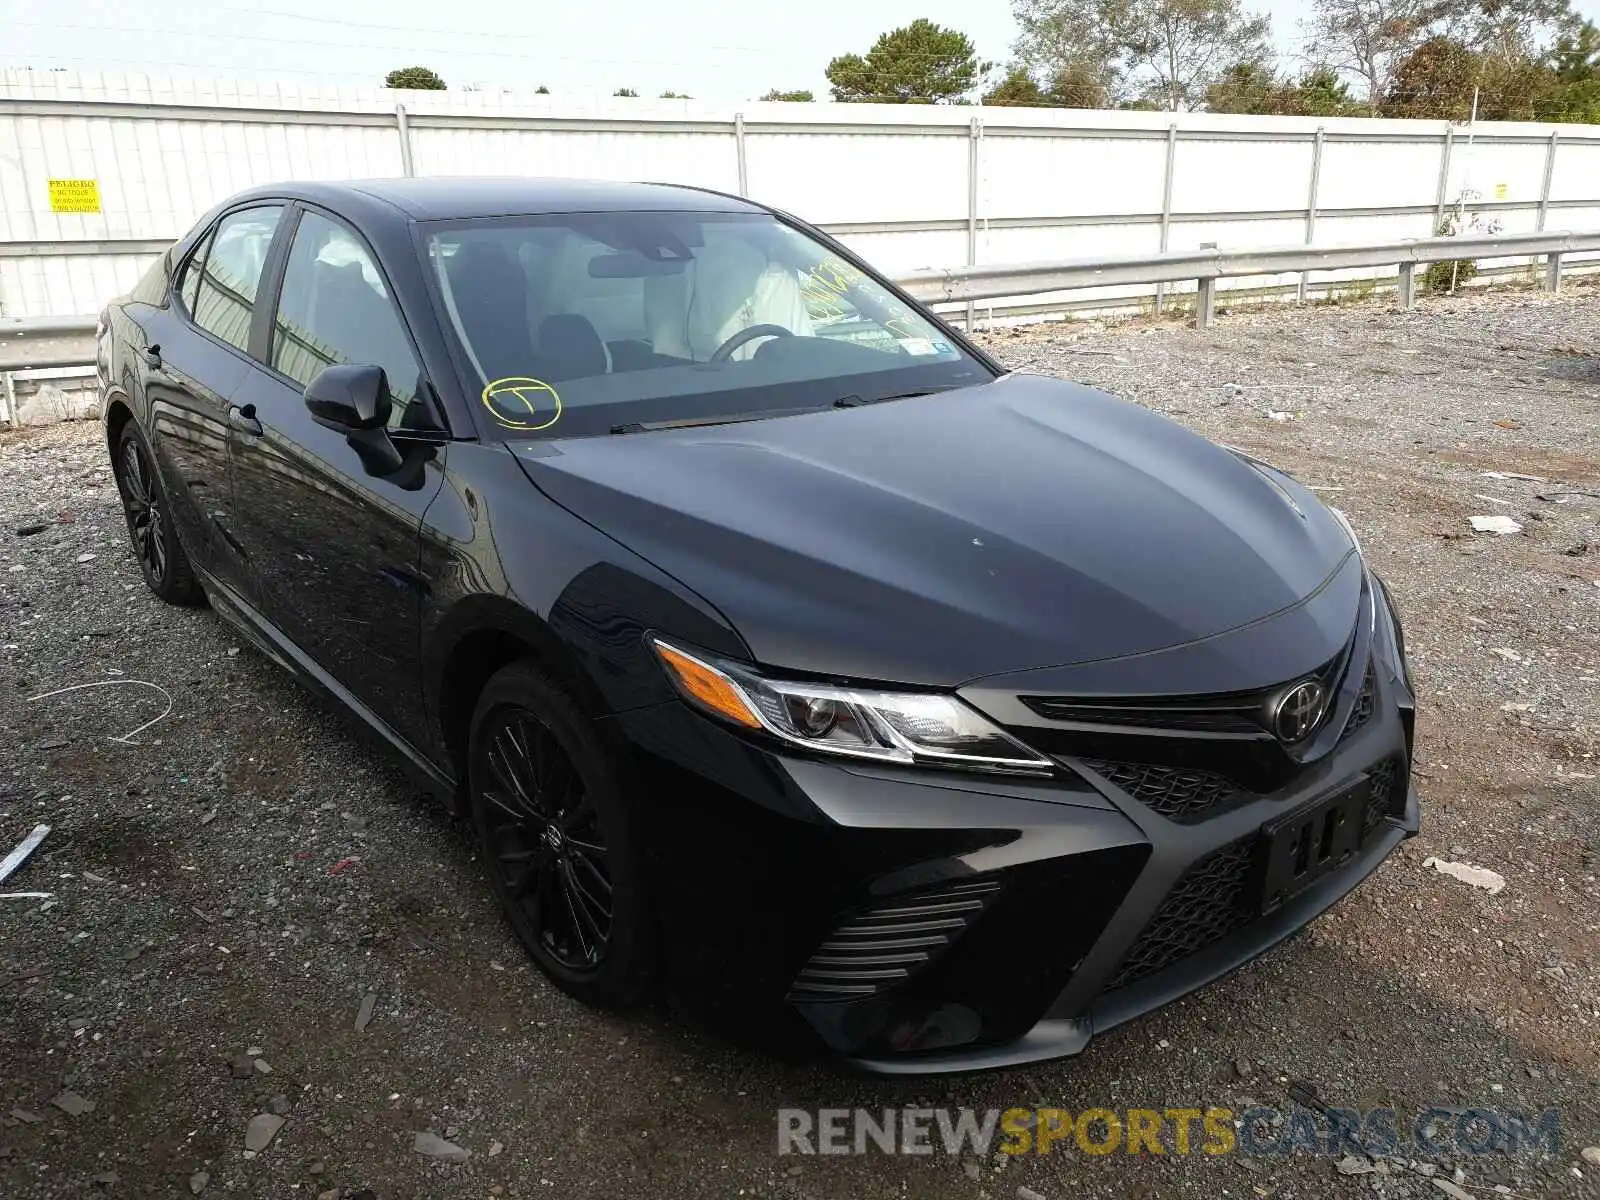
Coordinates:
585 323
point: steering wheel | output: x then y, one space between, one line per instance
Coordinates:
748 334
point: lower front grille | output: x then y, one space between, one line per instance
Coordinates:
1205 905
1180 794
1210 899
887 944
1365 704
1385 798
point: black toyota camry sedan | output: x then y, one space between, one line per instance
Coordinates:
787 653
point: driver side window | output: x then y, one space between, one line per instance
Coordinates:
335 308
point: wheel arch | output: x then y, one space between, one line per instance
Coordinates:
118 413
484 634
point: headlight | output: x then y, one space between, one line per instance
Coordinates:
1399 633
898 727
1372 587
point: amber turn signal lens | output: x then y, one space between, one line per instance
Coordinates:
707 686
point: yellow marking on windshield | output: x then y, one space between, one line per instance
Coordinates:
516 400
825 284
825 288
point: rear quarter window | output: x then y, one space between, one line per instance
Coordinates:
153 284
189 279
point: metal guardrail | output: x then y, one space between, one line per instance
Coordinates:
30 342
33 342
1207 266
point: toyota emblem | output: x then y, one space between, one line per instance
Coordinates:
1299 711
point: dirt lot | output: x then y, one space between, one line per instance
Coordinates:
229 883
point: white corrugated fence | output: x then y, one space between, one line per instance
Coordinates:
909 187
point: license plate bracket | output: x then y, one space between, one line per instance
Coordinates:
1299 848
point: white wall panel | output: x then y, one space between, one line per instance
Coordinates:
1236 235
1490 171
910 250
1379 174
1349 231
165 150
67 285
1043 244
702 159
1229 176
1575 219
1061 177
1577 171
860 177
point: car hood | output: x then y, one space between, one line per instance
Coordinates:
1024 523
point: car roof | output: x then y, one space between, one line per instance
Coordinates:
445 198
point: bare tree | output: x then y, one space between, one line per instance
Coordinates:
1180 47
1506 29
1165 53
1368 38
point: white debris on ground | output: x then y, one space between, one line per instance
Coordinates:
1495 524
1479 877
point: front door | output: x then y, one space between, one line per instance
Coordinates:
333 549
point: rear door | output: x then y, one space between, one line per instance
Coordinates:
333 549
195 355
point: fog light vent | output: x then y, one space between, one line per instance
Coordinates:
887 944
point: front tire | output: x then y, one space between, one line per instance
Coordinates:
161 558
558 838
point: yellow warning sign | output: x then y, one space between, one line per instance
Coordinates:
75 195
1501 191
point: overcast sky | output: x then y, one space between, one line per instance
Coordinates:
711 49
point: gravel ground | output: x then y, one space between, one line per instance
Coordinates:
230 882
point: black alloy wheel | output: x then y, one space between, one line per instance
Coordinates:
155 541
556 837
546 839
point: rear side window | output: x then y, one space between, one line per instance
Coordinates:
230 274
155 284
334 308
189 282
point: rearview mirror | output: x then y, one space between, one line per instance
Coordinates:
630 264
350 397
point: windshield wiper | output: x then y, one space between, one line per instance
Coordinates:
849 401
693 422
855 401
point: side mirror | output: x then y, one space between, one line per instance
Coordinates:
351 398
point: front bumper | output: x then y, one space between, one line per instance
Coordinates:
1069 1024
918 922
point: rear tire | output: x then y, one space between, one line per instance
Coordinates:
559 839
160 555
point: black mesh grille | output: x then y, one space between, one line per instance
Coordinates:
1178 793
1206 904
1386 797
887 944
1366 702
1217 714
1242 713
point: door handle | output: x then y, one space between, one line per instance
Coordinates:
152 357
243 418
